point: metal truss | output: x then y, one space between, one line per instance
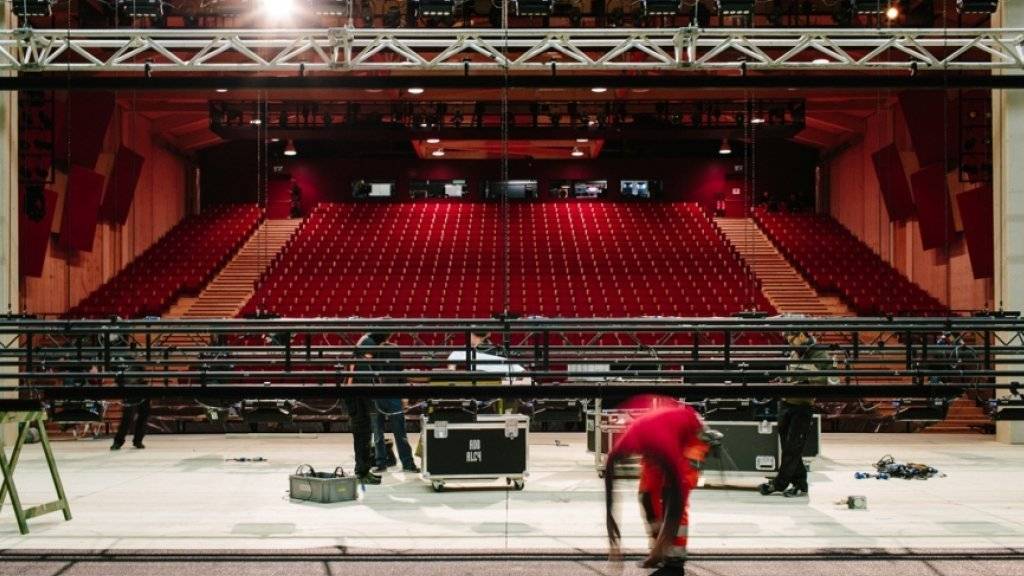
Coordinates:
517 50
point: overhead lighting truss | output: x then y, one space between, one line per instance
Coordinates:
518 50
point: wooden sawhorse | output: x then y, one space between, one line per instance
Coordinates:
26 414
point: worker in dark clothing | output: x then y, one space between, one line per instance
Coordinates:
389 410
796 414
361 410
672 441
134 413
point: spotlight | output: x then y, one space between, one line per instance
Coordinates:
28 8
340 8
141 8
255 121
977 6
576 152
433 140
659 7
438 153
435 7
415 90
725 149
757 120
598 89
892 13
222 90
582 140
277 9
289 149
735 7
533 7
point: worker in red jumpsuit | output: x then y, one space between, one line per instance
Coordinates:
672 441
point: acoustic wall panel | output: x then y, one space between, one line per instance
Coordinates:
934 125
81 209
37 206
117 201
934 213
81 125
976 211
892 181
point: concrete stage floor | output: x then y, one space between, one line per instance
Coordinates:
180 494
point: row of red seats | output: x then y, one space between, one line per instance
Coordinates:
180 263
568 259
835 261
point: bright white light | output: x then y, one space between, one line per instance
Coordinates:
820 61
278 9
725 148
221 90
576 152
598 89
892 13
275 140
757 121
582 140
433 140
290 150
415 90
255 121
439 152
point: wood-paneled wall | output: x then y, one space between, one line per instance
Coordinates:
159 204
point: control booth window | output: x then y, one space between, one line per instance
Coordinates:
513 189
640 189
577 188
373 188
438 188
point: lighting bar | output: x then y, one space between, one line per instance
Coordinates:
30 8
660 7
735 7
534 7
341 8
977 6
435 7
141 8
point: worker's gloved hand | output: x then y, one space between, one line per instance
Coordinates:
711 437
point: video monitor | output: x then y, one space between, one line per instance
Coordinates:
373 188
640 188
438 188
513 189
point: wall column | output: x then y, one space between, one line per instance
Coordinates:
9 293
1008 197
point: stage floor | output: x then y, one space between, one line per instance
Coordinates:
181 494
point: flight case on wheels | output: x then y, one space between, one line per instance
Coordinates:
490 447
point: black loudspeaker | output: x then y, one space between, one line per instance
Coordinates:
35 202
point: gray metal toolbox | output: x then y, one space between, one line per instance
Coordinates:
322 487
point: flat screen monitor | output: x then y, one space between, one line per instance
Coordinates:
513 189
438 188
373 189
590 188
640 188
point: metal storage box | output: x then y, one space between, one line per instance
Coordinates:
323 487
494 446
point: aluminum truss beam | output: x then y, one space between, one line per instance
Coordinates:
518 50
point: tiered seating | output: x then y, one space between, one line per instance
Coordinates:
567 259
836 261
180 263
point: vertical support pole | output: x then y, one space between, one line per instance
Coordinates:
10 297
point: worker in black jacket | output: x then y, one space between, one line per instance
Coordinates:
134 413
361 410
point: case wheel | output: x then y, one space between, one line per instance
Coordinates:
437 485
518 484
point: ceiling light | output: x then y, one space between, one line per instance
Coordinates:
598 89
582 140
222 90
275 140
278 9
892 13
439 152
255 121
415 90
725 149
576 152
820 61
757 120
433 140
290 150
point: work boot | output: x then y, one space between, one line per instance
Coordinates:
413 468
795 492
369 478
378 470
767 488
138 444
670 569
117 445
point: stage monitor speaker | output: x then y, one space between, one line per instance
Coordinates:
124 177
934 214
34 218
976 211
892 182
81 209
933 122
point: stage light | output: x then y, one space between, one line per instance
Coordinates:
582 140
433 140
255 121
142 8
977 6
820 61
275 140
26 8
598 89
278 9
222 90
757 120
725 149
735 7
659 7
576 152
533 7
435 7
438 153
415 90
339 8
892 13
289 149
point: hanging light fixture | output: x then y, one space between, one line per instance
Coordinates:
289 149
576 152
433 140
725 149
438 153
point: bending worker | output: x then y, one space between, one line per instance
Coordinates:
671 441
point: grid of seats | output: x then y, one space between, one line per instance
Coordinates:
180 263
568 259
837 262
